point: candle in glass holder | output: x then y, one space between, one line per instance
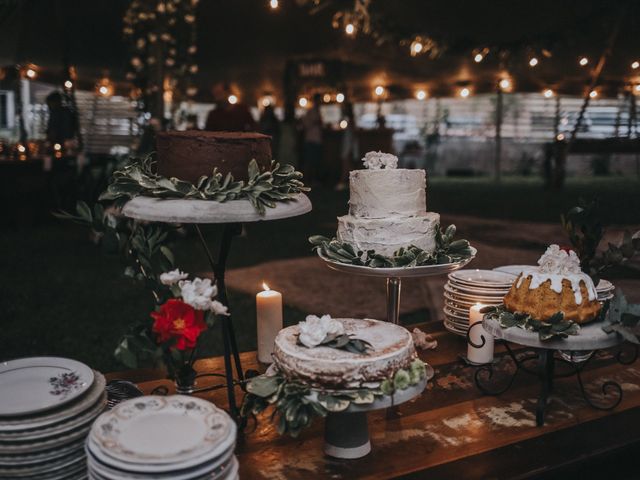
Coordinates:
484 354
269 317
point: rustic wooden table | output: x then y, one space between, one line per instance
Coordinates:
452 431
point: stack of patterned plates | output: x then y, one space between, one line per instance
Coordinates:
176 437
47 406
465 288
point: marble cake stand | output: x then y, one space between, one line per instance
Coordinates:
346 434
394 277
574 352
231 215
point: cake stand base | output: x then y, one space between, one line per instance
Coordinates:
346 434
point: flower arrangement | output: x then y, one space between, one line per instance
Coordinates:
190 308
380 160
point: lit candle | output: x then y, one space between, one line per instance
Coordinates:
484 354
269 313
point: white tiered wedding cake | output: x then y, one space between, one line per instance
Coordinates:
387 208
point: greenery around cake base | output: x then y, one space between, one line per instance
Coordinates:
295 403
617 315
138 177
447 251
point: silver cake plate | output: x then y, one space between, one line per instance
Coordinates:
397 272
346 434
182 210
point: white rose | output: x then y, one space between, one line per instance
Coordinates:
378 160
557 261
198 293
314 330
174 276
218 308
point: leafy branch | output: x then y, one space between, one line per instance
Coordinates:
447 251
263 190
624 318
295 404
344 342
555 327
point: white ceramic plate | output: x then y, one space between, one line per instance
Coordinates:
44 445
461 324
473 298
32 459
84 418
455 330
468 302
456 315
68 461
466 289
483 278
163 430
514 269
605 286
36 384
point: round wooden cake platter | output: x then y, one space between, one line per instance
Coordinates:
346 434
166 210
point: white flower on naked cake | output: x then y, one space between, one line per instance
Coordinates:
304 382
379 160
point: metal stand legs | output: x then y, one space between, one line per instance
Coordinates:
393 300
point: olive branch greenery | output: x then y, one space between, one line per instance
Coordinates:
263 190
344 342
555 327
447 250
295 403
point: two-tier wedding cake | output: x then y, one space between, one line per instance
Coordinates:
387 208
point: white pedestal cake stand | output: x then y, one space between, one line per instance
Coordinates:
231 215
394 277
346 434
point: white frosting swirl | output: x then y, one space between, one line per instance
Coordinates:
378 160
314 330
558 261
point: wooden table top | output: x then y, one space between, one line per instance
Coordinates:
450 431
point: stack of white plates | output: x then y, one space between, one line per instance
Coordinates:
47 406
465 288
605 290
175 437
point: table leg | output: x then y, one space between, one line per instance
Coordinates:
393 300
545 374
346 435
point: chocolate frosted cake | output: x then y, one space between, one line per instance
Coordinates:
194 153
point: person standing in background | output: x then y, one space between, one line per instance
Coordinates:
270 125
312 134
62 125
287 149
227 116
349 150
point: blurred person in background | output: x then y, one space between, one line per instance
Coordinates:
349 151
227 116
62 127
312 135
287 149
270 125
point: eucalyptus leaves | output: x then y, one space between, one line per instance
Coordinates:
263 190
296 404
555 327
447 250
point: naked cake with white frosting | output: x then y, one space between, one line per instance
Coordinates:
387 208
556 285
300 354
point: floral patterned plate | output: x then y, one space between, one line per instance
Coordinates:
35 384
155 430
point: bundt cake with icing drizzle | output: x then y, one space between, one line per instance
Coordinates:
557 285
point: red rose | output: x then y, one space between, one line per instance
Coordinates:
176 319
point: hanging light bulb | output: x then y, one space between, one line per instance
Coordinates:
350 29
593 93
344 124
232 99
548 93
379 91
635 65
30 72
421 94
560 137
340 97
533 61
416 47
465 92
478 57
637 88
303 102
274 4
68 84
584 61
104 87
326 98
505 84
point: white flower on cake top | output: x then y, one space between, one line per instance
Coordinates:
556 260
315 330
379 160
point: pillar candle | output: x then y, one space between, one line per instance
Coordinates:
269 313
485 353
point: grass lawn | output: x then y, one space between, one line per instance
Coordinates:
61 296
